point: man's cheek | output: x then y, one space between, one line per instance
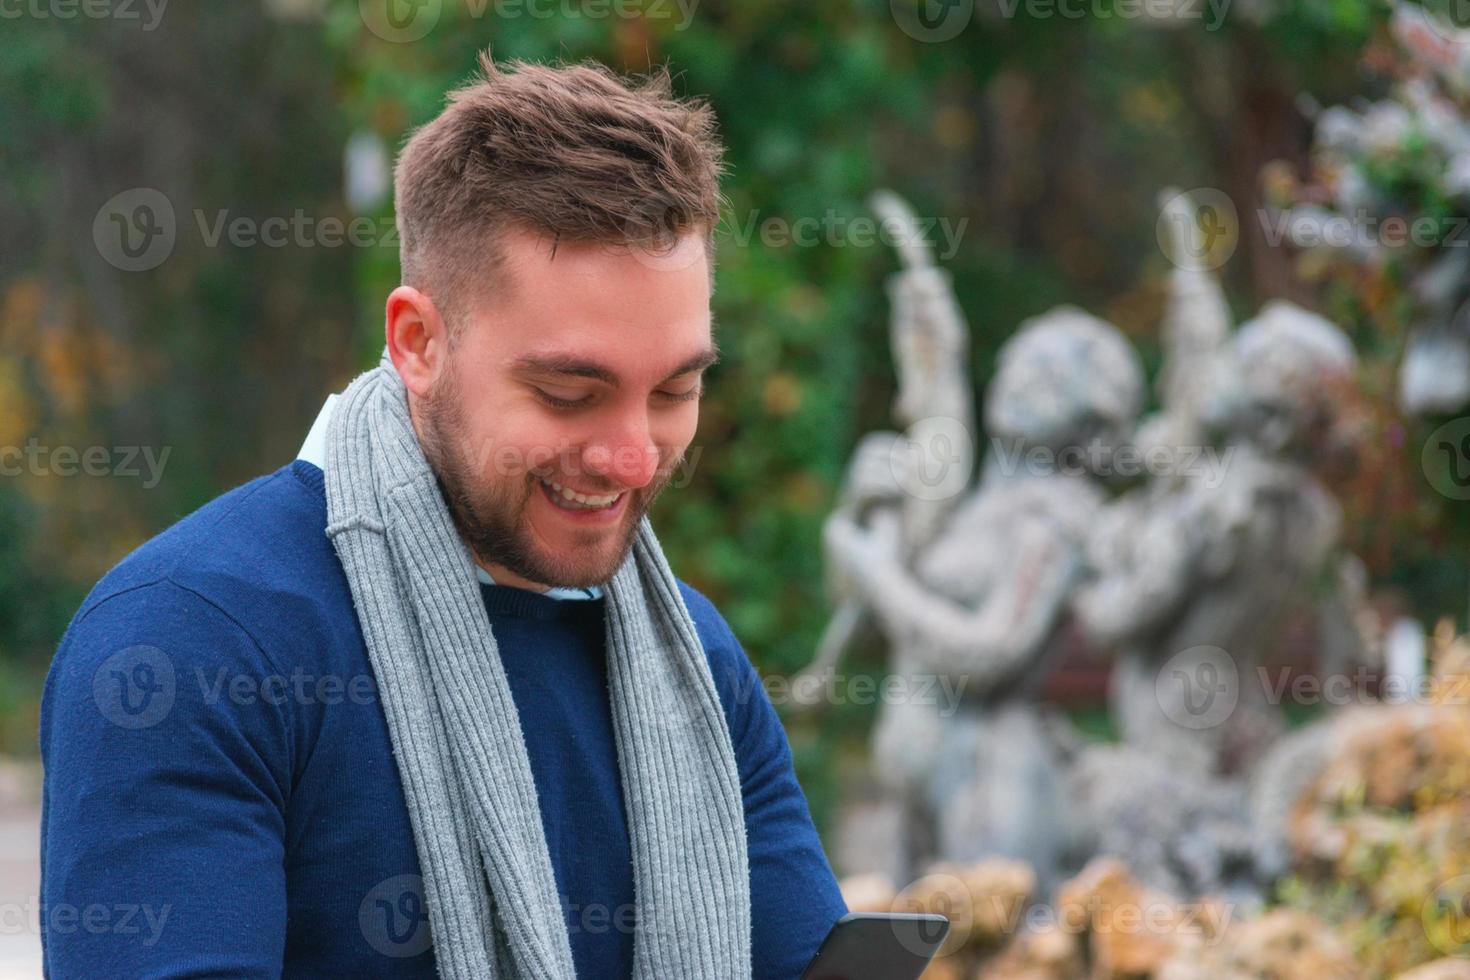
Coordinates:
675 441
510 462
681 469
509 456
539 456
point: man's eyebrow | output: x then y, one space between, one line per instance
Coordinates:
564 364
582 368
705 358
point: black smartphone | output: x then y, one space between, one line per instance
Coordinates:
878 946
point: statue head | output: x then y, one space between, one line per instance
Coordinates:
1280 382
1065 380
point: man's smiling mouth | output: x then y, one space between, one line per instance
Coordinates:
569 499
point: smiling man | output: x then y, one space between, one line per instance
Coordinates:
428 701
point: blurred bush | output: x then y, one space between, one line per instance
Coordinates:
1047 136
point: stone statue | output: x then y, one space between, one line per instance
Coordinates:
900 487
982 601
1201 574
1192 578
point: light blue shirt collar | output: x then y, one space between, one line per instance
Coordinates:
314 451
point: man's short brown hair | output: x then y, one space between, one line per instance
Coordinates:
574 152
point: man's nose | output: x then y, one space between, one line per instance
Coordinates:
626 453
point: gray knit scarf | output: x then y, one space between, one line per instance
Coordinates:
488 883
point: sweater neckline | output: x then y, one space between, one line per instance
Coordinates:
507 600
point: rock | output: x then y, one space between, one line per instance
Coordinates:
983 901
1176 828
1130 930
1451 666
1393 763
1379 838
1046 953
1283 944
1446 969
946 968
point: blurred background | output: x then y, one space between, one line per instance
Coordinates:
195 245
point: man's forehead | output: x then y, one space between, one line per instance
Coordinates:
526 254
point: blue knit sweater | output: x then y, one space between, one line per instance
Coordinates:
221 797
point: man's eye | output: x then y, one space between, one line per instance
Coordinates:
681 396
556 402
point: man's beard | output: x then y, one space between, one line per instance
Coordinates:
491 518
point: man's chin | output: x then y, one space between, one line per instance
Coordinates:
582 560
560 574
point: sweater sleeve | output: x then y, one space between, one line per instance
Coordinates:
165 740
793 892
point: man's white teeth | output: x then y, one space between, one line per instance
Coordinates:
572 497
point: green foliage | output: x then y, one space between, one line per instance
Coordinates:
1049 138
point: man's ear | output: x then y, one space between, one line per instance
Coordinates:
418 339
